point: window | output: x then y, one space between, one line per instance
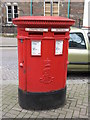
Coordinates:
12 12
51 8
15 11
55 8
47 8
77 41
9 13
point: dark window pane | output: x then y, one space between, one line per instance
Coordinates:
15 15
15 9
9 19
9 7
9 11
10 15
77 41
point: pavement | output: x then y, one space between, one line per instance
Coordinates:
76 103
78 92
8 42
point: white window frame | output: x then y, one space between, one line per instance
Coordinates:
8 4
12 7
52 5
14 4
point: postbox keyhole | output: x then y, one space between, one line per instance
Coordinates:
21 41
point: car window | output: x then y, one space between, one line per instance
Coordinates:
77 41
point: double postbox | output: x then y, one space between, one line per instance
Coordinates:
42 60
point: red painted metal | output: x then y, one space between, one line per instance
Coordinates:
47 72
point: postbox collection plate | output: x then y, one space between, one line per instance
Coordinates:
59 47
36 48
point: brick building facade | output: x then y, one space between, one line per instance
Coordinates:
40 8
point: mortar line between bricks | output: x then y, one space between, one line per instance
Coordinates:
87 111
72 113
76 103
58 115
80 111
65 114
33 113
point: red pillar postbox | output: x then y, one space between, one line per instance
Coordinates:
42 60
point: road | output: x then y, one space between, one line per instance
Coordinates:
10 69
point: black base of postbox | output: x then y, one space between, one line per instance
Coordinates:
42 101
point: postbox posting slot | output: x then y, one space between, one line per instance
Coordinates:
35 33
59 33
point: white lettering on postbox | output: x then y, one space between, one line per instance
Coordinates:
36 48
59 47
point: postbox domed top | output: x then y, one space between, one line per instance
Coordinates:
43 21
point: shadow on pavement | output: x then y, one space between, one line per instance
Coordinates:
79 74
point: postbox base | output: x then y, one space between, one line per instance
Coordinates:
42 101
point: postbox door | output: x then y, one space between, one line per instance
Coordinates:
45 72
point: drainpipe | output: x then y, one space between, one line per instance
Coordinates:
31 8
68 8
44 7
51 8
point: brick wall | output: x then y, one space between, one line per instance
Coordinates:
38 9
76 12
24 8
63 8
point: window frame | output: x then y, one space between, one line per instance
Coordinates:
51 2
8 4
12 11
84 41
14 4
